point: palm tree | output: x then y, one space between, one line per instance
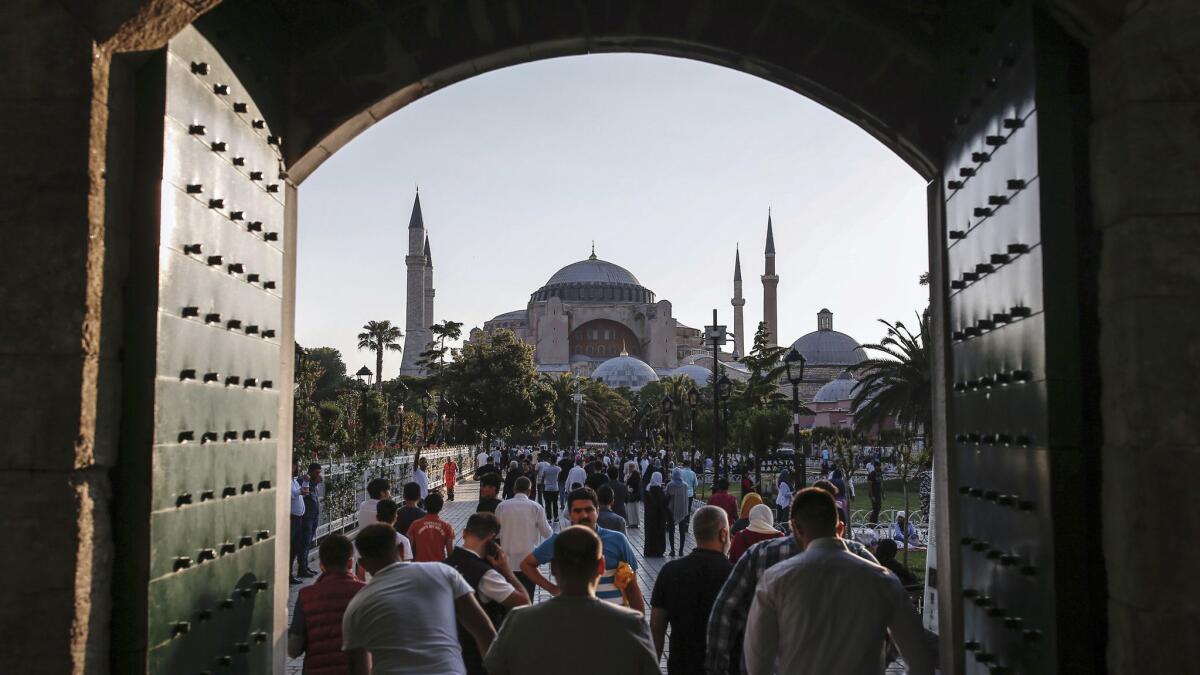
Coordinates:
380 336
601 412
899 384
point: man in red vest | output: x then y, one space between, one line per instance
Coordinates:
316 630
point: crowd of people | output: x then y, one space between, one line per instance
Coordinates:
762 591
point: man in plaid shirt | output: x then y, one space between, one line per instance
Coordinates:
727 622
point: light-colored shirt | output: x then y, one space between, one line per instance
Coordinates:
492 585
581 636
575 475
689 478
834 609
367 513
297 500
481 459
616 550
422 481
522 525
784 498
550 475
405 617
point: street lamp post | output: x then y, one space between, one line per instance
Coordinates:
795 374
577 397
667 408
693 398
722 389
402 428
443 429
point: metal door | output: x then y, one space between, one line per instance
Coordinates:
1017 311
198 560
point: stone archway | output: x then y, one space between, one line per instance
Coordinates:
75 172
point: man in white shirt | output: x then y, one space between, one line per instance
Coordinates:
800 597
420 478
523 526
480 460
577 474
297 526
377 490
403 621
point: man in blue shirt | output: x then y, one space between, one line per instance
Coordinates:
583 508
689 479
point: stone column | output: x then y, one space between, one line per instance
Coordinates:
60 337
1145 172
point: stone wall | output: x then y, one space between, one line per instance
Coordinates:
1146 196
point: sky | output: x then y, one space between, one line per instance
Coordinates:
667 164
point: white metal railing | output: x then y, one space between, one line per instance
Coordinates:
397 469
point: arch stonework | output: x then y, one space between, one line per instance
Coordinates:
324 75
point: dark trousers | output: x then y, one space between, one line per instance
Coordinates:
876 505
551 505
308 531
527 583
297 544
683 529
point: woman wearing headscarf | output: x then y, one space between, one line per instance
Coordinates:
679 510
761 528
633 483
903 530
751 500
656 517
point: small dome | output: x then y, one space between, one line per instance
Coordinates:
828 347
841 388
699 374
625 371
515 315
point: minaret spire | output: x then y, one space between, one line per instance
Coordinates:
416 324
770 282
738 302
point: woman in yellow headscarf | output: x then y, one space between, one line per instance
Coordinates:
751 500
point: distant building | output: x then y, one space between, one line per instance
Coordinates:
827 354
591 311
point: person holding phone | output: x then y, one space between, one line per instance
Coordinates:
484 564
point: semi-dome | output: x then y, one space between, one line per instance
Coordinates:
625 371
699 374
594 280
841 388
828 347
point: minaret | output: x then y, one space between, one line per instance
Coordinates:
739 344
415 326
429 320
770 281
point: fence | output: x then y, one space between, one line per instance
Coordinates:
346 481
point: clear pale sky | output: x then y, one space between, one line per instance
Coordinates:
668 164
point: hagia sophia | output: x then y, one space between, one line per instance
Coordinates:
593 318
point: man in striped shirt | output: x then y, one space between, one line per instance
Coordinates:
583 508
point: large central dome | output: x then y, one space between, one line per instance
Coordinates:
593 270
594 280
